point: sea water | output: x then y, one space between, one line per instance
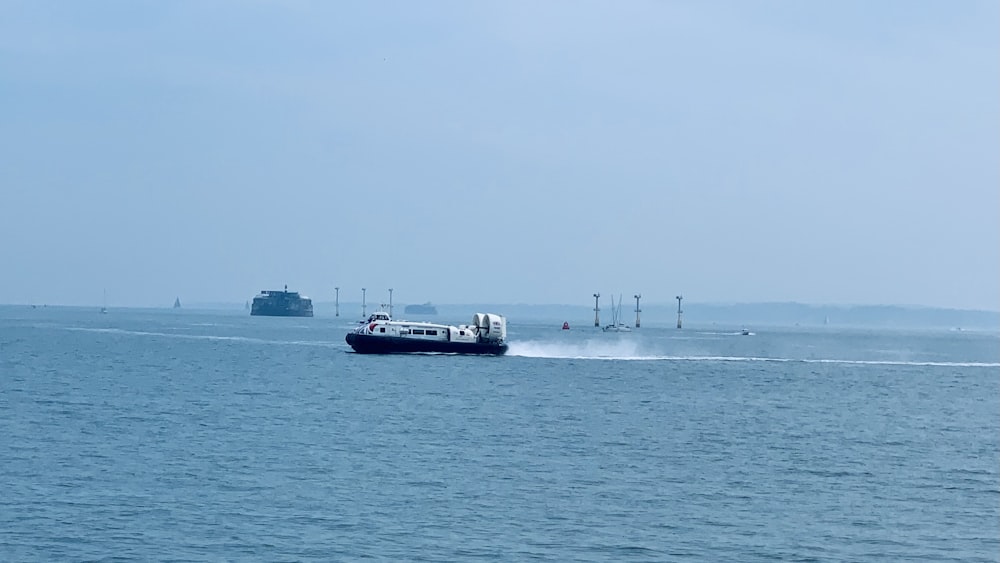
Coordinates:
185 435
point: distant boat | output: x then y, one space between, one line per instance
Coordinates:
104 305
616 313
177 303
424 309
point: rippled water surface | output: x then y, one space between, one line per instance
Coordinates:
159 435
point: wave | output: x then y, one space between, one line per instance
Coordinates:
625 349
629 351
215 337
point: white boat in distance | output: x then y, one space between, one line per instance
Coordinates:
616 318
381 335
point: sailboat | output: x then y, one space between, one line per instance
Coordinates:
104 305
616 318
177 303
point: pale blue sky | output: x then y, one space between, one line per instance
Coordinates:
505 152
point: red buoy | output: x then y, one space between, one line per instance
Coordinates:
565 326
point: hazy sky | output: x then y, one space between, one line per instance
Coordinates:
839 152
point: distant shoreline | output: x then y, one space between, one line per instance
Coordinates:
660 315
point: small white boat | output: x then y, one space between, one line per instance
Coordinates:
616 313
381 335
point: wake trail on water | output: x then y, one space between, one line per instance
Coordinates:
629 351
246 339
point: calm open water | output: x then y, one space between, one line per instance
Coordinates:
183 435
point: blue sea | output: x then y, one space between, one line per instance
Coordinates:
210 435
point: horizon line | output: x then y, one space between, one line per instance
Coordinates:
211 304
